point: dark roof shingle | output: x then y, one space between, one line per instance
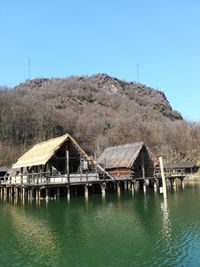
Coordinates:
180 165
122 156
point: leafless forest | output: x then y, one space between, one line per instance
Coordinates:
99 111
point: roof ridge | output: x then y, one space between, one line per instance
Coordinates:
125 145
49 140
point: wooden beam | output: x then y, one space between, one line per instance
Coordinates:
143 164
67 164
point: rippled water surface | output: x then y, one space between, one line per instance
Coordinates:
139 230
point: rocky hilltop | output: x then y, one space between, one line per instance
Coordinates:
99 111
89 89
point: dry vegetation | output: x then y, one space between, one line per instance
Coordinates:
98 111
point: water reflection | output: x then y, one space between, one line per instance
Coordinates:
166 223
167 227
35 237
128 231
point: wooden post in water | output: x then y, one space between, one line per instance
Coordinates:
126 185
144 187
23 192
27 193
129 186
133 188
86 191
15 192
5 192
173 183
118 188
57 192
38 193
31 193
103 189
68 192
155 186
182 184
163 177
47 192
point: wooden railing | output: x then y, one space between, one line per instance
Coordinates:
168 173
47 178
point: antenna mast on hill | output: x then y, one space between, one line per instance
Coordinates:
138 72
29 68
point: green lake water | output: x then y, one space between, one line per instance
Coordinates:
125 230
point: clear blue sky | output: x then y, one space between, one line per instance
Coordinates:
75 37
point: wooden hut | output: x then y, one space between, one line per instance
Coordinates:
58 160
181 168
128 161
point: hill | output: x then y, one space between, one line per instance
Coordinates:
99 111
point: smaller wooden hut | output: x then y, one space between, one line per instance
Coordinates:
128 161
181 168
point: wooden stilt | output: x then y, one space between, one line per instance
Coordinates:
182 184
173 183
23 192
103 189
18 191
133 188
86 191
129 185
136 186
144 186
125 186
15 192
47 193
68 192
58 192
39 193
28 193
31 193
155 185
36 193
118 188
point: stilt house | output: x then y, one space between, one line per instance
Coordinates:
60 159
128 161
181 168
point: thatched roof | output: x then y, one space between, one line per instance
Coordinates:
40 153
122 156
180 165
